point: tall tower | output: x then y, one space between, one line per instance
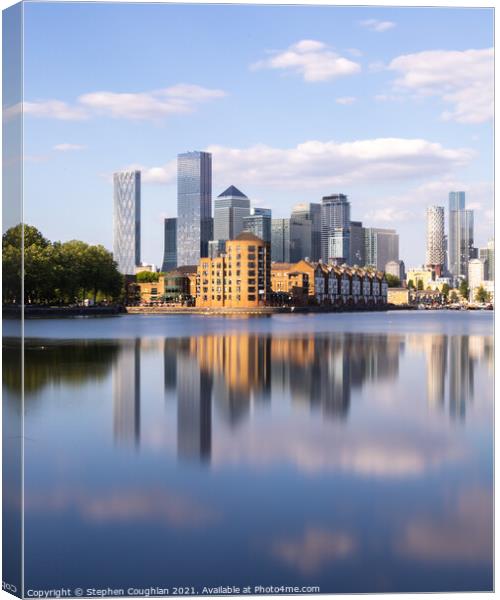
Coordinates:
194 206
230 209
461 235
335 218
310 213
435 247
170 245
259 223
127 220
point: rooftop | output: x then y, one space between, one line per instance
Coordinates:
232 191
247 236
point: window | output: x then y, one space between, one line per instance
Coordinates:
251 297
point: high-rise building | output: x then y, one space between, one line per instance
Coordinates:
461 235
435 247
310 213
127 221
170 245
230 208
475 275
259 223
335 214
339 245
396 268
381 246
194 206
280 240
357 244
488 256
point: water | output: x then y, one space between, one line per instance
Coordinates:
349 452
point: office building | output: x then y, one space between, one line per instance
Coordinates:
230 208
216 248
310 213
476 275
170 245
357 243
381 247
435 246
127 220
335 215
280 240
194 206
461 235
259 223
488 256
241 278
339 246
396 268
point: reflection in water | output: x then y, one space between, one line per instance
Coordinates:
127 393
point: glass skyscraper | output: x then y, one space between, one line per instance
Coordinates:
230 208
335 215
381 247
461 235
127 221
194 206
259 223
170 245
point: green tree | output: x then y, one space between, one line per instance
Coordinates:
392 280
453 297
420 285
482 295
147 277
411 285
445 290
464 288
100 272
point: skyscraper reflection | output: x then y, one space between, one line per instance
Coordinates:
127 393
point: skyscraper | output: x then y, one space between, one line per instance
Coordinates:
335 215
127 220
230 208
194 206
461 235
259 223
310 213
339 245
381 247
435 247
357 244
170 245
488 255
280 240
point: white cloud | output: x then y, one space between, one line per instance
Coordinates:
377 25
154 105
389 214
315 164
346 100
311 59
462 79
68 147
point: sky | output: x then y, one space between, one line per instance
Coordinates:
391 106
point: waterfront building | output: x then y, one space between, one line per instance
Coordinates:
476 276
335 214
194 206
240 278
149 267
169 245
381 247
230 209
259 223
398 295
310 213
396 268
426 276
461 235
357 243
289 284
435 245
127 220
488 255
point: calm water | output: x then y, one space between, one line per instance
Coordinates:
351 452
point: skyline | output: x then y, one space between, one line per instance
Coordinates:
337 101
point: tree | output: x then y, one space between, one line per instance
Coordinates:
392 280
453 297
445 290
147 277
464 288
411 285
420 285
482 295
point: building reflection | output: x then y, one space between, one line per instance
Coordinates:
127 393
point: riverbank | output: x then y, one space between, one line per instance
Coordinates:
42 312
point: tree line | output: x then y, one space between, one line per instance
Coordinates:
56 272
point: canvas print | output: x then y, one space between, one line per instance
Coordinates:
248 299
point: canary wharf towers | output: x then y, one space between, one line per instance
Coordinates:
194 206
127 221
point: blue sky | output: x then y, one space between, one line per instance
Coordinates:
392 106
